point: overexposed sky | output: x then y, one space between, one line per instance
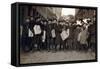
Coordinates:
68 11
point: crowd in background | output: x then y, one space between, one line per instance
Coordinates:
51 34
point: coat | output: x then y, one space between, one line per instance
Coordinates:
82 37
76 33
58 31
92 35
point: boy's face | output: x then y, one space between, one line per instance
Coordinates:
44 22
49 22
69 24
84 25
54 21
31 18
78 27
91 23
66 24
61 23
94 19
81 29
27 20
38 19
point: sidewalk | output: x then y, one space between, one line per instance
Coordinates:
37 57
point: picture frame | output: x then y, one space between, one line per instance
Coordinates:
20 11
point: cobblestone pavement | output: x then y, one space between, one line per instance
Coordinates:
38 57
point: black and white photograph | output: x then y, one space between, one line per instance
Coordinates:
57 34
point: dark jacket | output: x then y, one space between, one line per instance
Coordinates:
58 31
92 35
25 30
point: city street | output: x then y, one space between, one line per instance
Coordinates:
37 57
45 27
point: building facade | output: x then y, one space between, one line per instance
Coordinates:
49 12
85 13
